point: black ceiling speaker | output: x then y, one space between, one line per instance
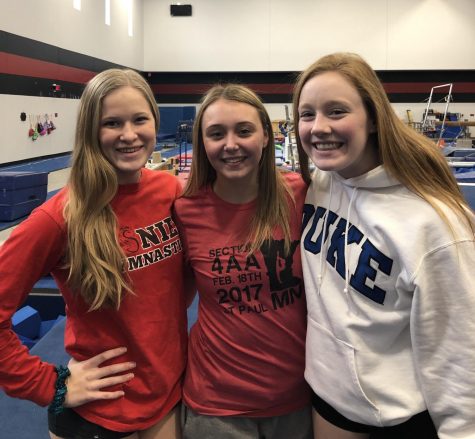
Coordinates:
180 10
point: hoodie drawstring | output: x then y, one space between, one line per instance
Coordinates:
324 243
347 255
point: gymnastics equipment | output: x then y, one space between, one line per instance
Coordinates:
286 128
448 98
26 322
183 137
21 192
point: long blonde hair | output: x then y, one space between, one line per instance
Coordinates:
95 260
413 159
273 195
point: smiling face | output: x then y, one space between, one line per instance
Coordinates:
334 126
233 138
127 132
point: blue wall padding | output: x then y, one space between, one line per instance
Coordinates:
170 118
189 113
26 322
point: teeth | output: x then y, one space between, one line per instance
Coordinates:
327 146
127 150
233 160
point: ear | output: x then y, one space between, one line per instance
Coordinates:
372 127
266 140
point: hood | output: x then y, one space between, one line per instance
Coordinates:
374 179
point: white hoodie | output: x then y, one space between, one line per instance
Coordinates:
391 304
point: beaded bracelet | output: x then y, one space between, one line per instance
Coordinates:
56 406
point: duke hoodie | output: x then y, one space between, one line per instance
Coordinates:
391 298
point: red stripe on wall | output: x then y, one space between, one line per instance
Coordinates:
29 67
425 87
192 89
24 66
189 89
286 89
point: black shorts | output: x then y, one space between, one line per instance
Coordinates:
420 426
69 425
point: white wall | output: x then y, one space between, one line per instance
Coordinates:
284 35
16 145
56 22
234 35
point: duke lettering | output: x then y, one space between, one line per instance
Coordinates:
371 260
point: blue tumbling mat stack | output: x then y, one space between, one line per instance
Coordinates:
21 192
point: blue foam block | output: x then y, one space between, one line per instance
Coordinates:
193 312
59 319
11 180
21 192
45 326
10 212
26 322
46 282
28 342
9 197
48 305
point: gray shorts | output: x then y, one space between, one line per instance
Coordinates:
295 425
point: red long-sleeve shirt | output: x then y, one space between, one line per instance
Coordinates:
151 323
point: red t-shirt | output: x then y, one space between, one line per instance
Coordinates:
246 354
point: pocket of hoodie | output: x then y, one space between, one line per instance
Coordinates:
331 372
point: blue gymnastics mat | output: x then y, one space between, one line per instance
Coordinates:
45 164
7 224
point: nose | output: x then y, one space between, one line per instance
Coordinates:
230 142
321 125
128 133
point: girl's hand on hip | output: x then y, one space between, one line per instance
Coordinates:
87 378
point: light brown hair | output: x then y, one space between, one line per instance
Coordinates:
413 159
95 260
273 195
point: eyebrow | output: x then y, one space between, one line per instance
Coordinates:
336 102
117 116
216 125
239 124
